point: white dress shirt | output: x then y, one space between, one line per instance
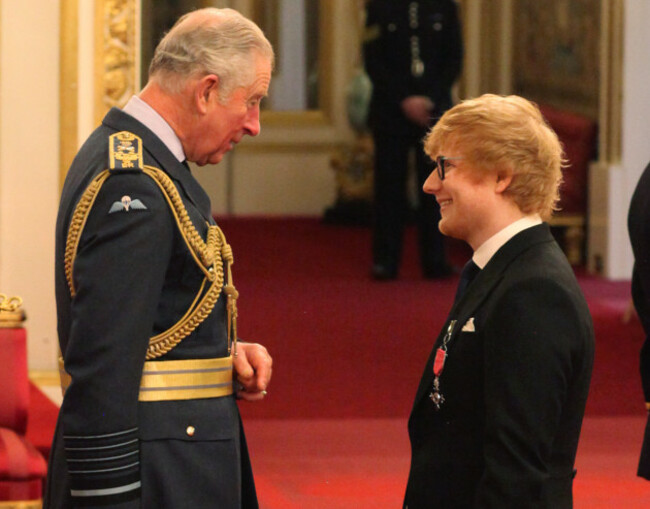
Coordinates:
486 250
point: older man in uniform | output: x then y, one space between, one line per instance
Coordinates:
145 296
413 53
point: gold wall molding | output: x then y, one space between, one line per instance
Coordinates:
610 117
68 85
115 66
322 116
116 54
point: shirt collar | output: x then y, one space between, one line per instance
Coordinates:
487 250
146 115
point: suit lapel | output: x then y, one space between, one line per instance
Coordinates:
117 119
479 290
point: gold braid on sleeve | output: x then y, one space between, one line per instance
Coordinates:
209 256
77 224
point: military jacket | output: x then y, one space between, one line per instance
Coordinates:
135 277
410 48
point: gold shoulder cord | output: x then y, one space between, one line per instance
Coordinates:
209 257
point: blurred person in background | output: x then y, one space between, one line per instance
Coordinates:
413 54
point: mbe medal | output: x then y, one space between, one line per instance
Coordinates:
439 363
436 396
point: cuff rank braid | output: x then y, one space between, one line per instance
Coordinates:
103 469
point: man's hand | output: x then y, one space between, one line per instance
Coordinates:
253 367
417 109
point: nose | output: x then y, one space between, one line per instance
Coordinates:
432 184
252 125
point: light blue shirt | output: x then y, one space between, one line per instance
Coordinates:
146 115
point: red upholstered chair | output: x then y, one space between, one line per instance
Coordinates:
578 135
22 467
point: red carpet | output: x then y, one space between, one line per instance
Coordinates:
348 354
363 463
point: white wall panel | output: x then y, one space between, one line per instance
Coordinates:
29 187
635 135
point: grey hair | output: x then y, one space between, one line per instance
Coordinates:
209 41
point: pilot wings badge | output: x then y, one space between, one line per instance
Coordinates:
126 204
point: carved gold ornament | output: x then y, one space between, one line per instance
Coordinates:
11 314
116 53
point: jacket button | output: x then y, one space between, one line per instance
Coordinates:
190 431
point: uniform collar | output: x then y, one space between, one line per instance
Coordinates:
146 115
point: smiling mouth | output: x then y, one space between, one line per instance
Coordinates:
444 203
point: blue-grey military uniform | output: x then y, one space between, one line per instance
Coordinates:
134 278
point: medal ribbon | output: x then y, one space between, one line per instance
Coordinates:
441 353
438 365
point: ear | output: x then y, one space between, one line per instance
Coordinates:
205 91
504 178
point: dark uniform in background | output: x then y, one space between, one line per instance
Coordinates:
411 48
135 277
639 229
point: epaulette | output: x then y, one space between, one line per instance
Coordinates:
125 153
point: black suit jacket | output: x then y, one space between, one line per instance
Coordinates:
639 229
135 277
515 382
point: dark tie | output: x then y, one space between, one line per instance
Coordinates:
469 272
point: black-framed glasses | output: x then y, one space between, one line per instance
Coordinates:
441 164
